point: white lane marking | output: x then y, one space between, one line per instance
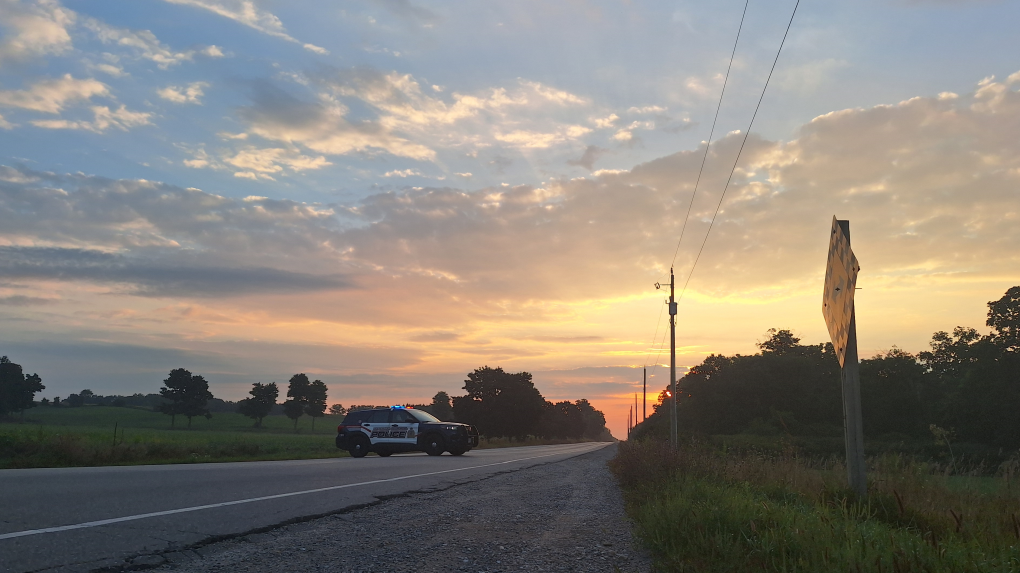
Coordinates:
100 522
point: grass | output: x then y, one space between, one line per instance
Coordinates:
706 509
63 437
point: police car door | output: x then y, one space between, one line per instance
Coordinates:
378 425
403 427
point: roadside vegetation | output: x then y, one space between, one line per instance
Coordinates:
758 482
704 509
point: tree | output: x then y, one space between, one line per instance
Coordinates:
75 400
441 406
297 391
500 404
1004 318
263 398
86 396
337 410
186 395
778 342
315 401
17 391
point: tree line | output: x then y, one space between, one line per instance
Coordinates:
966 386
504 404
498 403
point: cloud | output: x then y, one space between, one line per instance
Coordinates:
245 12
274 160
156 278
146 45
403 173
191 93
103 118
36 28
321 126
929 184
587 160
50 96
21 300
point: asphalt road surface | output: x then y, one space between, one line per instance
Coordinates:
83 519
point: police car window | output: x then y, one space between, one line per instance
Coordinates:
402 417
378 417
422 416
355 417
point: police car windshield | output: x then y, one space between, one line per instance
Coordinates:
423 416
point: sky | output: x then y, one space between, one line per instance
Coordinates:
388 194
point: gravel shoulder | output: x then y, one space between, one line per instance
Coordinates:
561 516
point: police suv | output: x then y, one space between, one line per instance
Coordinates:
400 429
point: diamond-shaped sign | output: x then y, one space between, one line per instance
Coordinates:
840 282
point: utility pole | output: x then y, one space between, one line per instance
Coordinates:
672 354
644 395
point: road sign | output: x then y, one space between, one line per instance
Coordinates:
840 282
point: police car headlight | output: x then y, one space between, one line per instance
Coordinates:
451 428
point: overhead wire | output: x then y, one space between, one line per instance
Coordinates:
711 133
740 151
701 170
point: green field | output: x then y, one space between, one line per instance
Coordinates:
59 437
54 437
706 509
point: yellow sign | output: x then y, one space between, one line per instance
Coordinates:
840 282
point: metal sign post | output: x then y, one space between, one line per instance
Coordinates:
838 309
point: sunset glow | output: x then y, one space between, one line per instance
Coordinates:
387 195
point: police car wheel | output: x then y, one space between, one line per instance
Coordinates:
384 454
434 445
359 447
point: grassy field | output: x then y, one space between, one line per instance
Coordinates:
59 437
54 437
706 509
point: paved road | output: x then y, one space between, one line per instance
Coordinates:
80 519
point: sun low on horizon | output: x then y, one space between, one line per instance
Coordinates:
388 194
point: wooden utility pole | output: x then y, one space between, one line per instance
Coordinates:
644 395
672 357
853 429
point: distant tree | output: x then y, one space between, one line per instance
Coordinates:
56 401
297 391
594 421
17 391
44 402
87 396
441 407
118 402
263 398
75 400
185 395
337 410
315 401
778 342
500 404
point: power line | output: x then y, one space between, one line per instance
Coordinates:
711 132
741 150
708 145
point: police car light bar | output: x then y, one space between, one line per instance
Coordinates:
397 407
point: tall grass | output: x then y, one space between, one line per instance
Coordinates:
706 509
